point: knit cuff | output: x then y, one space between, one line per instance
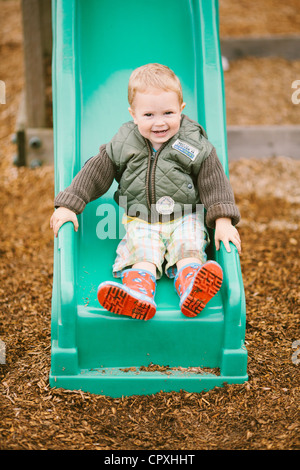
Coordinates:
219 210
70 201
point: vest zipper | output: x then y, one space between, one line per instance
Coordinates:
150 178
149 168
152 158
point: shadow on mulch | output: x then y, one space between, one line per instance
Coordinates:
260 414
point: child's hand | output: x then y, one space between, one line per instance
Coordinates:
60 216
226 233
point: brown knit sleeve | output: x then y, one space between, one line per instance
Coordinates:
92 181
215 191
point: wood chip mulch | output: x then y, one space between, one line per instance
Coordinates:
261 414
247 18
258 415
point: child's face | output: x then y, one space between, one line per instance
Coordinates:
157 114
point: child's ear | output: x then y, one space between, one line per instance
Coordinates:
133 115
182 107
131 112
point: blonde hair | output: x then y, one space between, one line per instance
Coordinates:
156 76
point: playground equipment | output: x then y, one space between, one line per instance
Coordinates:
96 46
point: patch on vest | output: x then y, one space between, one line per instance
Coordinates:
185 149
165 205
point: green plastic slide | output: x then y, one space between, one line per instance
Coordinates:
96 45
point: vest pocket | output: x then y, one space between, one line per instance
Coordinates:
190 190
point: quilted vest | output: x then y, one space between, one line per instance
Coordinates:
147 179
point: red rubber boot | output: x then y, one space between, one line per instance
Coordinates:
135 298
196 285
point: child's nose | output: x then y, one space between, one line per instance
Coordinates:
160 121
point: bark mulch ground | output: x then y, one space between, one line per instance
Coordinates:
258 415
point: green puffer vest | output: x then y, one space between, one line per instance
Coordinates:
145 177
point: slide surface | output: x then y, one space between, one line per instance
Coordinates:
97 44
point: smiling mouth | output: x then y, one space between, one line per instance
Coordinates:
160 133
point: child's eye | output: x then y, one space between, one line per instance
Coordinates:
169 112
148 114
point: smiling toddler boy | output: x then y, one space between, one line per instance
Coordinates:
163 163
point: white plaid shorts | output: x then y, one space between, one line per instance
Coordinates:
162 244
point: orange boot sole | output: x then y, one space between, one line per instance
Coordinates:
204 287
120 300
